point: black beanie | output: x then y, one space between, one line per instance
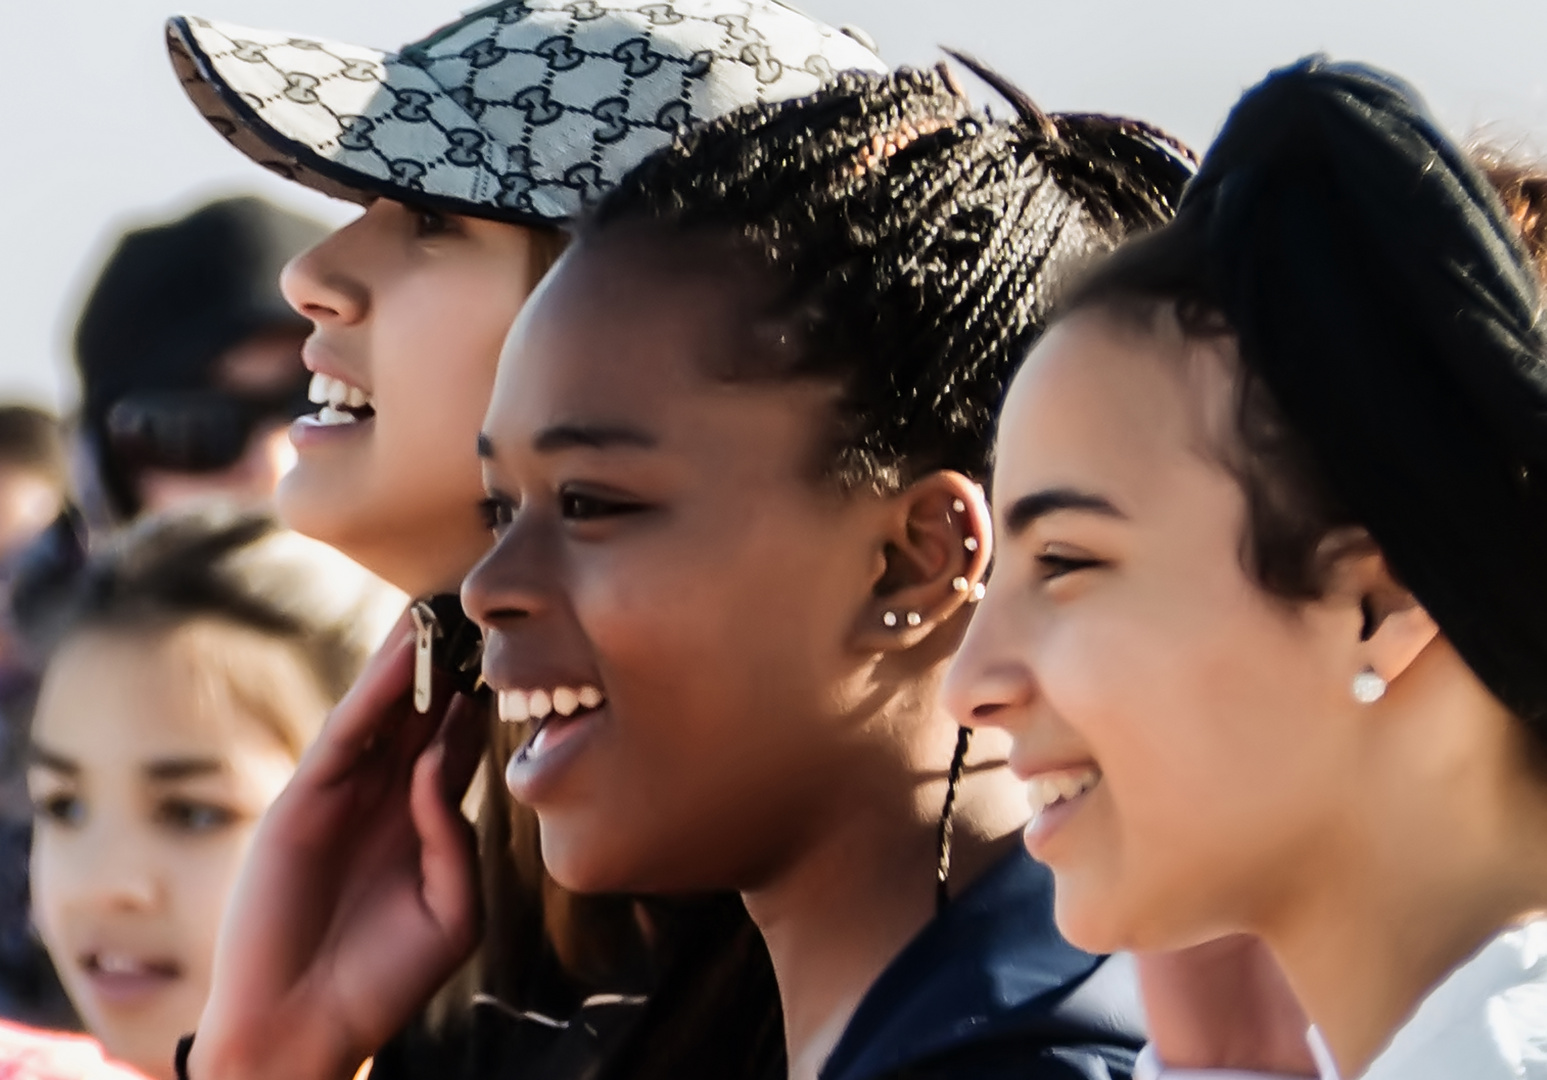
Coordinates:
1384 298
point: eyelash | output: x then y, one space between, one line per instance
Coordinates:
180 815
63 810
1055 566
498 511
429 222
192 816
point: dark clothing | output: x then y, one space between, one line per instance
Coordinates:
989 990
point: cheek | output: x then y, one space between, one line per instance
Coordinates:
1205 723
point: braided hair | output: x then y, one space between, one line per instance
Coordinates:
913 246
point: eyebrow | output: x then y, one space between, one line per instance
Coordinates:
591 437
171 769
166 770
47 759
1028 509
578 437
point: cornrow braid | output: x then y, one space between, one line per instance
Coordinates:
913 246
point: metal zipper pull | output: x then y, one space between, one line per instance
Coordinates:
426 630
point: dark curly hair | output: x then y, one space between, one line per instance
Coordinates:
913 246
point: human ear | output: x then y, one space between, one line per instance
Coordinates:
934 556
1393 627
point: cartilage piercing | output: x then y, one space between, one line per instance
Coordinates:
889 619
915 619
959 506
960 584
971 543
979 591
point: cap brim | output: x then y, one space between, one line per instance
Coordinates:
521 111
273 112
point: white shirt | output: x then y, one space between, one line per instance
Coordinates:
1486 1021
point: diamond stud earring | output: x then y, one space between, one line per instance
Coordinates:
889 619
915 619
971 543
960 584
1368 687
959 506
979 591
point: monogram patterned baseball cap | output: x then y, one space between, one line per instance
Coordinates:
522 111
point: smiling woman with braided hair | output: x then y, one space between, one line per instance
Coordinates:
733 460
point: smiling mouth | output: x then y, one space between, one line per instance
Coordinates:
342 404
125 979
1051 790
549 712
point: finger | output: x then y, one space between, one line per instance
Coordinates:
447 857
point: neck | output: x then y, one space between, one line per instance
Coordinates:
848 905
1416 885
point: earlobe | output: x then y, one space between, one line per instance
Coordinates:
935 556
1394 628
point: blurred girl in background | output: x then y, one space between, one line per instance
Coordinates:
189 665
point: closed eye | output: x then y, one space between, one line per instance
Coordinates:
1052 565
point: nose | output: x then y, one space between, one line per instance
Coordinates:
116 876
510 582
323 283
988 684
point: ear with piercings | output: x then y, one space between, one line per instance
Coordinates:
931 562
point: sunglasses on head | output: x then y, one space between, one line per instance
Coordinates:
195 430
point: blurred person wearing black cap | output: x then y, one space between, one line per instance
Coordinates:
190 360
1269 628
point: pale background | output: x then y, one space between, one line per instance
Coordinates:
96 134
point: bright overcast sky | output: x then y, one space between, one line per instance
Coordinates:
97 133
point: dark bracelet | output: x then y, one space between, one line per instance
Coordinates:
180 1060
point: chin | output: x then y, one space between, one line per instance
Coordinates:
588 868
1090 917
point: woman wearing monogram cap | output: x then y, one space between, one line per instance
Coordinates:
470 150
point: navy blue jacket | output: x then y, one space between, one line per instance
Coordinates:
990 991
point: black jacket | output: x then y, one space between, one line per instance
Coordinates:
990 991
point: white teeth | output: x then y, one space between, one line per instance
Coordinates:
513 707
1052 788
118 965
328 415
519 706
328 391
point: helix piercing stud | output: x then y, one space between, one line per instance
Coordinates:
959 506
915 619
960 584
971 543
1368 687
889 619
979 591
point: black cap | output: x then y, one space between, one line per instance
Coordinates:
173 298
1385 299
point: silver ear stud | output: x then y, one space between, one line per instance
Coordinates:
915 619
889 619
1368 687
960 584
979 591
959 506
971 543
